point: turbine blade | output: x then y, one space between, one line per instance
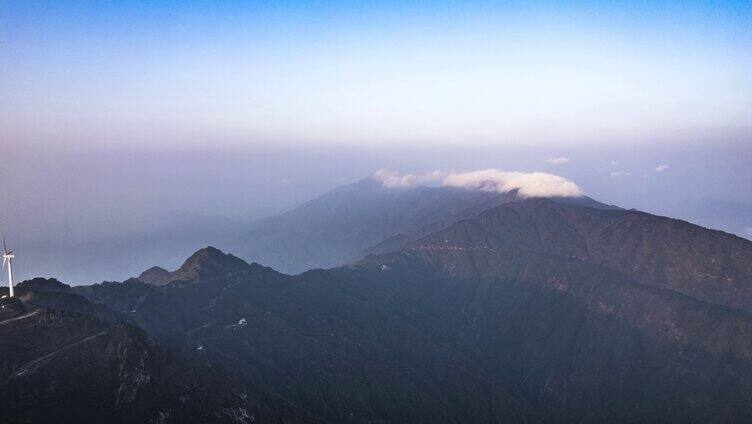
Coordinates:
5 249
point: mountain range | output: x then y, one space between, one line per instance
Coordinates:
83 251
436 304
344 224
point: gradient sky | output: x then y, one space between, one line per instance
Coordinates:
116 114
166 73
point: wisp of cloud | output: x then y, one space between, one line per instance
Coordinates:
393 179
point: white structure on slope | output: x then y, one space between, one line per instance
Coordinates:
7 260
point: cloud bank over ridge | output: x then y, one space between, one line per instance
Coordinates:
527 184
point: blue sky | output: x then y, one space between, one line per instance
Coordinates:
166 74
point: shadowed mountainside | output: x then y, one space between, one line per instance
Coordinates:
709 265
412 337
69 361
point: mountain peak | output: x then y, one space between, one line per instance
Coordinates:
209 253
209 262
43 284
156 276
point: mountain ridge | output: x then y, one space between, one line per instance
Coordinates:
707 264
344 224
206 263
504 327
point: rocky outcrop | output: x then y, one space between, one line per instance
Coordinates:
156 276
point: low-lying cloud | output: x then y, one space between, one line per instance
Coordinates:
661 168
527 184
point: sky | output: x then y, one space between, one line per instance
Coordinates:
397 73
118 117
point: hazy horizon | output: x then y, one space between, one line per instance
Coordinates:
71 201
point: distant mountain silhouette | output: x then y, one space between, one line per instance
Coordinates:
206 263
342 225
336 227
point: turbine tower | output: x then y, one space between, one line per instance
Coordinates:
8 257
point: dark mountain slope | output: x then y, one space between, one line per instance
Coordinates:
591 345
44 293
661 252
320 342
404 240
399 339
63 365
588 345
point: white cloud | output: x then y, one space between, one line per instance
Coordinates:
614 163
620 174
558 161
661 168
528 184
393 179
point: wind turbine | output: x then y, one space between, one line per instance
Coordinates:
8 257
